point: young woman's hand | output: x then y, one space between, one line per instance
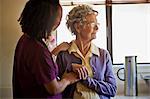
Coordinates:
64 46
61 47
70 77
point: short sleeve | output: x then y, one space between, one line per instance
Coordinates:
45 68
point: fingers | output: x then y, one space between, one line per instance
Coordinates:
65 46
79 73
71 77
80 70
75 67
83 73
74 78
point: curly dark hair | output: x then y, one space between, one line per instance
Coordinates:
38 17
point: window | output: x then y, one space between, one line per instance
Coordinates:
63 34
131 32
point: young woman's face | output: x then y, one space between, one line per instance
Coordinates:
58 19
89 28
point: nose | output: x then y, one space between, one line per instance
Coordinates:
96 27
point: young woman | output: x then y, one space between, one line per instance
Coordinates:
35 74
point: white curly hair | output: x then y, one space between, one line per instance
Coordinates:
77 14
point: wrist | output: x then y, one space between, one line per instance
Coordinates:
67 82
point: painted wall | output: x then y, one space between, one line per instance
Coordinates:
0 38
9 34
143 87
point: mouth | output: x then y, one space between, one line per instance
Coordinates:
94 33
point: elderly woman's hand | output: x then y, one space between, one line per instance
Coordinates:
81 70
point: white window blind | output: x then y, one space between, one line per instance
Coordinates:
131 32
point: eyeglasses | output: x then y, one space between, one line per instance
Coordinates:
92 24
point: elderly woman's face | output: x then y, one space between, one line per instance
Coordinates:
89 28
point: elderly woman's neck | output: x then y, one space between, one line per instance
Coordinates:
83 46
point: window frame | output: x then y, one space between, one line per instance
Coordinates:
108 6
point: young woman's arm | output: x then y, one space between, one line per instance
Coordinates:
61 47
54 87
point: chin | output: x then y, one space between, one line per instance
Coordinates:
93 37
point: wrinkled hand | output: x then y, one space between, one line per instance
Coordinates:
71 77
81 70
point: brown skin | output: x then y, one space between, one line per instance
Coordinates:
85 34
54 87
61 47
58 19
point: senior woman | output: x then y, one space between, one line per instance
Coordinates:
100 83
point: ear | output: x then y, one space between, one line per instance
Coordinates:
77 27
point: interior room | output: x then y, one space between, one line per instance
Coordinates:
124 31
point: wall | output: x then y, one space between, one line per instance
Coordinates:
0 39
9 33
148 11
143 88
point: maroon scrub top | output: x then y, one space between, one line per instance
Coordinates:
33 67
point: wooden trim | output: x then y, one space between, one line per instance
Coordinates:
109 27
107 2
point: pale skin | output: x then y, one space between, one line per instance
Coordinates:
79 72
85 34
57 86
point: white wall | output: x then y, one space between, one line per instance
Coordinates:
9 33
143 88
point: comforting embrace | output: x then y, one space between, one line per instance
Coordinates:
81 71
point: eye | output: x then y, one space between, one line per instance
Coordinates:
93 24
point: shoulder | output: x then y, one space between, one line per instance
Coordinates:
104 54
63 54
103 51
